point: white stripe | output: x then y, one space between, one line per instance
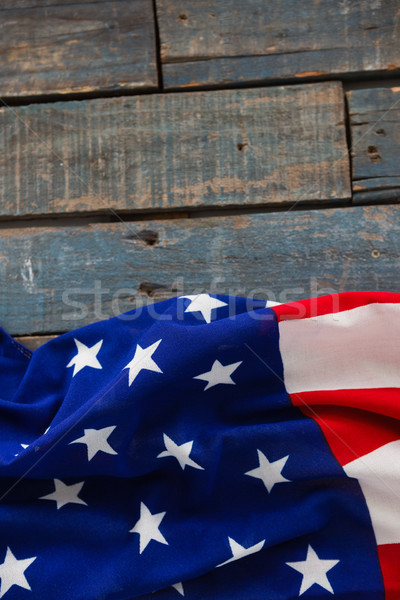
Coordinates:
271 303
379 476
357 348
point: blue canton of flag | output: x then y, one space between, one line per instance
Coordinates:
159 454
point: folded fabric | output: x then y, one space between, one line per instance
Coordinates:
206 447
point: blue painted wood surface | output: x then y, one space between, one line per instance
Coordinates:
374 117
63 47
170 155
207 43
59 278
253 147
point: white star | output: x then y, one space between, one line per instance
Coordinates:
12 572
218 374
24 446
181 453
179 588
86 357
239 551
142 360
148 527
96 441
203 303
270 473
314 570
65 494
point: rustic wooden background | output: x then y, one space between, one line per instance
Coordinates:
154 149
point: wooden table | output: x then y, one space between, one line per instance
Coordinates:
149 150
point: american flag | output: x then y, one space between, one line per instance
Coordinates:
207 447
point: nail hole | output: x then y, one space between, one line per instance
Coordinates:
381 132
148 288
373 154
241 146
146 236
149 237
375 253
182 17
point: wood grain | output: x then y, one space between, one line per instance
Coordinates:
205 43
172 151
9 4
57 47
57 279
375 133
34 341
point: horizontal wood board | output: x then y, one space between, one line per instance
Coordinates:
174 151
205 43
34 341
374 116
82 47
7 4
58 279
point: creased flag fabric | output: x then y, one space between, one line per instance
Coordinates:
207 447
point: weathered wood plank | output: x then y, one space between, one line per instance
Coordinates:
205 43
57 279
150 152
34 341
12 4
375 139
377 189
62 47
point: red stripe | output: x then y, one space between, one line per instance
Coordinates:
354 422
389 558
332 303
382 401
351 428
